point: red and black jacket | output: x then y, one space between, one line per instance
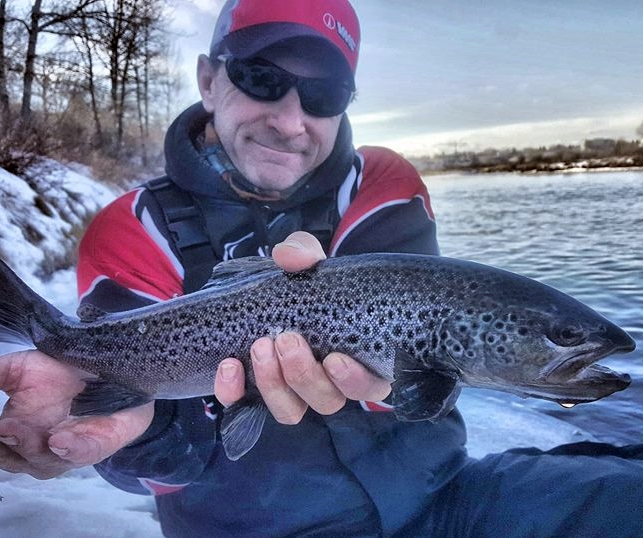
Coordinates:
352 473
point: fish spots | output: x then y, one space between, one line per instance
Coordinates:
352 339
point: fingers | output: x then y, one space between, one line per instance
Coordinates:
354 380
23 449
229 383
73 443
290 379
32 380
89 440
286 372
299 251
283 402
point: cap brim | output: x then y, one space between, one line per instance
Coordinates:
248 42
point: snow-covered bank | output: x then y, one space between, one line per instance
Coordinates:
41 219
40 222
78 504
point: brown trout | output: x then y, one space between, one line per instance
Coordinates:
428 324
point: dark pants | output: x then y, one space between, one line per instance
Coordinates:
580 490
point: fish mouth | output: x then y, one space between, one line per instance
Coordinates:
578 379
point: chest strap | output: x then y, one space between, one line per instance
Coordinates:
200 228
188 231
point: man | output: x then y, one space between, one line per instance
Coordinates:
267 153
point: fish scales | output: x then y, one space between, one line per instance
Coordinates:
188 337
429 324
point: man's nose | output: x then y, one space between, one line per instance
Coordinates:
286 115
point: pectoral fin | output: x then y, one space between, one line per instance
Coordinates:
241 426
422 393
102 397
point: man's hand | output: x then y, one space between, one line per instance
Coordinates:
37 436
288 377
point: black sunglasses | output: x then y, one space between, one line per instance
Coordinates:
264 81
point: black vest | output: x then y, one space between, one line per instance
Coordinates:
202 229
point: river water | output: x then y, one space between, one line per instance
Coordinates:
579 232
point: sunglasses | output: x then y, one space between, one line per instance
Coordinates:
264 81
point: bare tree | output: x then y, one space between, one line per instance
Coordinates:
41 21
84 32
169 82
149 68
130 40
103 84
4 89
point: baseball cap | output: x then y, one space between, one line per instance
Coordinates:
245 27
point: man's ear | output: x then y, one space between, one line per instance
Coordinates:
205 74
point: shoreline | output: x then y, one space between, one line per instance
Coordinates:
531 171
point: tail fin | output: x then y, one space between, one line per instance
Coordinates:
19 307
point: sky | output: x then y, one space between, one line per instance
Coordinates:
436 75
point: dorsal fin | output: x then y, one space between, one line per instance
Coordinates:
240 271
88 312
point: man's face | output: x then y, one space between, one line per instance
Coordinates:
273 144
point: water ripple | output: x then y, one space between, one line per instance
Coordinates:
580 233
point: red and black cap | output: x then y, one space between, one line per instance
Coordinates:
245 27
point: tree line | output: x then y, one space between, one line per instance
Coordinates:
592 154
94 79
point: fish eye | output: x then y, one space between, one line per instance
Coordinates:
567 336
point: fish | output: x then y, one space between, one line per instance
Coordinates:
431 325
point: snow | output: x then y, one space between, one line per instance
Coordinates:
79 503
41 219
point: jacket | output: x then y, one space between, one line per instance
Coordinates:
359 472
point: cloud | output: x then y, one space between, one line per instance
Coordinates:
373 118
519 135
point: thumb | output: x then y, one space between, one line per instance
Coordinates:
298 252
89 440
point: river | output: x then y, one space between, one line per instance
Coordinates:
579 232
